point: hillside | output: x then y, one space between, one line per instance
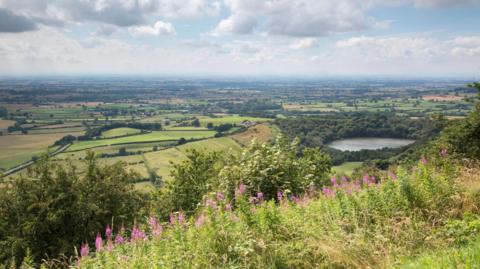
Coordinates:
353 224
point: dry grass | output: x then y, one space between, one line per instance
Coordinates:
443 98
262 132
4 124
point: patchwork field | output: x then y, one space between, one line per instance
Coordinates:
17 149
148 137
233 119
160 161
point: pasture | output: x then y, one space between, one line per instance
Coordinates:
124 131
147 137
17 149
346 168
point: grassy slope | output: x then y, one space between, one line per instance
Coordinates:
375 227
160 160
120 132
346 168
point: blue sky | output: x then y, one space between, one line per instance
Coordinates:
400 38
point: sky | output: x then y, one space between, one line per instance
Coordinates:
319 38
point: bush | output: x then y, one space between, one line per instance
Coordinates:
51 209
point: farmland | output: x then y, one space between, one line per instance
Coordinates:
142 138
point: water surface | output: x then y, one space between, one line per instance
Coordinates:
372 143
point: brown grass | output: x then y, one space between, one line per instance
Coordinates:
263 132
442 98
5 123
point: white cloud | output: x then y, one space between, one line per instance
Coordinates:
160 28
304 43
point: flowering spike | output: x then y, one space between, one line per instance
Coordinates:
260 196
84 250
98 243
423 160
172 219
200 220
181 218
109 246
119 239
108 232
279 196
220 196
228 207
334 181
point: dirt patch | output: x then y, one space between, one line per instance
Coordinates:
443 98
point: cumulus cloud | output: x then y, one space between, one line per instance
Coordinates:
122 13
310 18
12 23
304 43
158 29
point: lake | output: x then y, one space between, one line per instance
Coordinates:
372 143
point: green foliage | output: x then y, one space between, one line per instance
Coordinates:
52 209
371 227
269 169
463 136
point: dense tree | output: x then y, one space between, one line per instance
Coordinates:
51 209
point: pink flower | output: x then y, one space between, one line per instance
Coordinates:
109 246
84 250
220 196
260 196
181 217
279 195
137 234
252 199
254 210
210 203
228 207
119 239
155 227
366 179
240 190
200 220
392 176
108 232
328 192
98 243
423 160
334 180
172 219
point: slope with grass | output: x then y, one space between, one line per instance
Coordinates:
120 132
353 224
161 161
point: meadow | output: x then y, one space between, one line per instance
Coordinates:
155 136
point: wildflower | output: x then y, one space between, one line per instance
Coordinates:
119 239
172 219
156 228
137 234
344 179
252 199
210 203
98 243
279 195
181 218
109 246
84 250
260 196
254 210
294 199
108 232
334 181
443 153
366 179
220 196
423 160
392 176
228 207
328 192
240 190
200 220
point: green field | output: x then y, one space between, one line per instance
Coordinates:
120 132
160 161
233 119
346 168
148 137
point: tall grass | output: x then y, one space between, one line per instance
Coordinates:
361 223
